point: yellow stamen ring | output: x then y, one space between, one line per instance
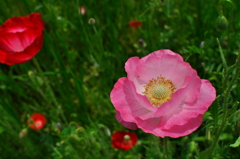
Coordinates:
159 91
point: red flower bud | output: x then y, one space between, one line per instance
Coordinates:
82 10
124 140
37 121
135 24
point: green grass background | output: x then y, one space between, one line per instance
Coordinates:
70 80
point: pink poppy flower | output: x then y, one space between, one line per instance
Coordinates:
37 121
21 38
123 140
135 24
161 95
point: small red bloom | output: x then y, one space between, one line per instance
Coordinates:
21 38
82 10
135 24
37 121
123 140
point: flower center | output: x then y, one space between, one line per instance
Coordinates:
38 124
159 91
126 137
127 140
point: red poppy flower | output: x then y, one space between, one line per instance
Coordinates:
37 121
135 24
124 140
21 38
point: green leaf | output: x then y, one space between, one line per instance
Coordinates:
237 143
2 130
204 153
228 1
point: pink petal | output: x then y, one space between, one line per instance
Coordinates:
186 111
193 88
151 126
169 67
183 130
148 125
128 125
128 102
205 98
130 67
133 62
179 117
187 115
177 98
170 106
118 95
160 53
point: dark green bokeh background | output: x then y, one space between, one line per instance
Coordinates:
70 80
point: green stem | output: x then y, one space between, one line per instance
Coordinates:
99 37
225 104
49 88
54 149
165 140
223 58
234 114
168 7
157 145
144 12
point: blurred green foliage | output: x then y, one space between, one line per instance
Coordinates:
70 80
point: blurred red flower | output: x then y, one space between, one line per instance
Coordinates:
82 10
21 38
37 121
135 24
123 140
